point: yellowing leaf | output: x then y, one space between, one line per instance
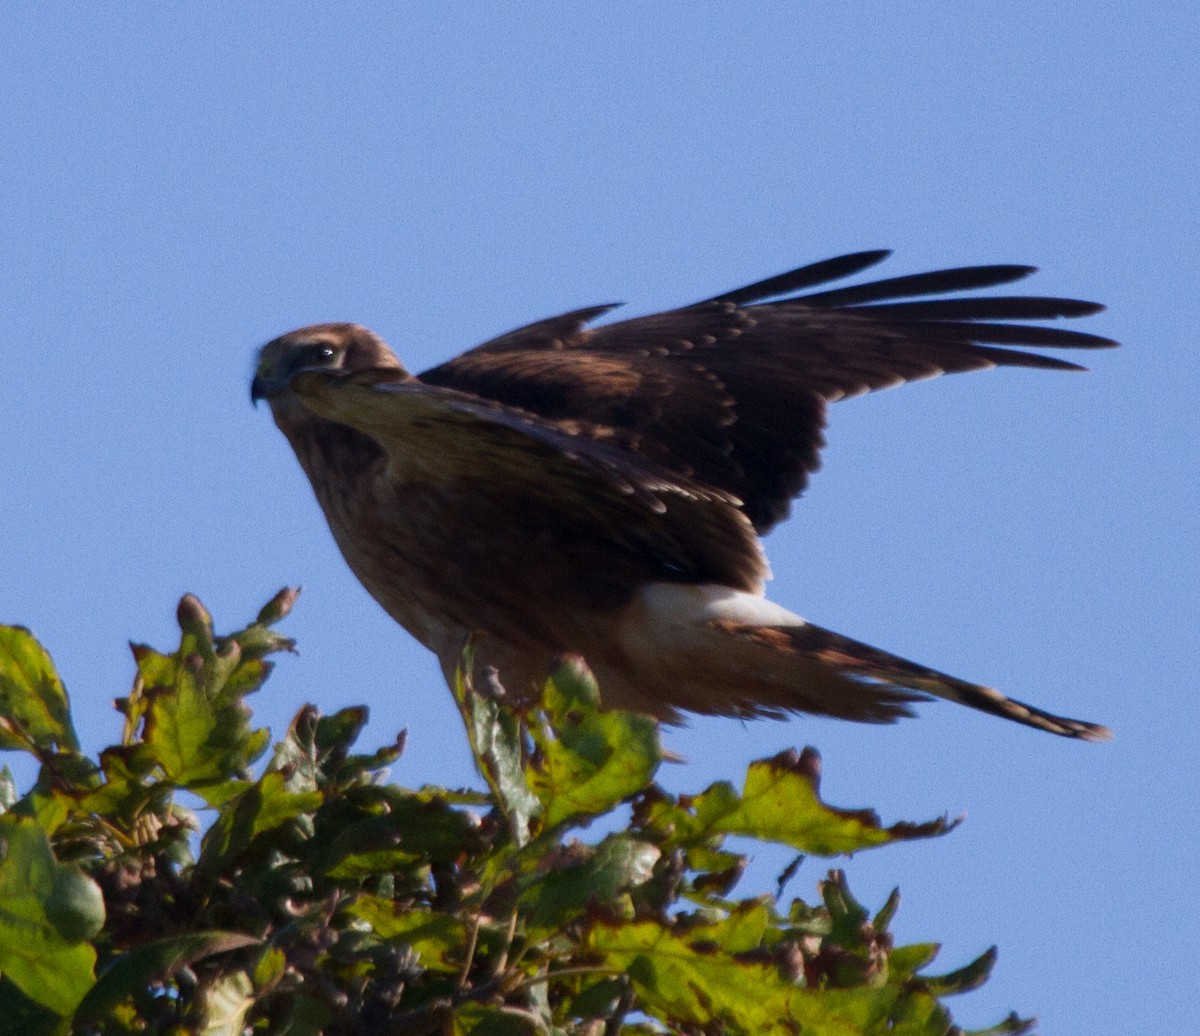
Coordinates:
780 802
34 710
695 976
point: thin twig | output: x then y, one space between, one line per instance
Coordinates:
472 940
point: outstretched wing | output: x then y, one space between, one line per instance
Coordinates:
731 392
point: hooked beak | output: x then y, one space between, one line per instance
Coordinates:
258 390
265 385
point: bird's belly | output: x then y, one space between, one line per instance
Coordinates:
527 587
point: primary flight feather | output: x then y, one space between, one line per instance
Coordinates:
601 491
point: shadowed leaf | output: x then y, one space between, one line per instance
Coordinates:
154 962
327 899
261 807
696 978
964 979
438 940
50 969
497 742
583 876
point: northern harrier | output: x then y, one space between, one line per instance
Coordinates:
564 490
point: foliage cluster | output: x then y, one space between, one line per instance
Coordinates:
169 886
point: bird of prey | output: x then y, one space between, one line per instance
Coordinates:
566 490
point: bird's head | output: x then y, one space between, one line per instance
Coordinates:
344 348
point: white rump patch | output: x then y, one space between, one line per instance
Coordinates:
710 602
673 617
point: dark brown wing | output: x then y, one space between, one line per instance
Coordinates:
731 391
664 526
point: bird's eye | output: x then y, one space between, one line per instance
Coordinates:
321 354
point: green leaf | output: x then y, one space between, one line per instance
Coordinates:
220 1006
196 741
20 1016
125 792
717 871
261 807
49 969
485 1020
497 743
270 968
439 940
296 755
905 961
780 802
56 976
196 726
371 864
337 732
597 999
591 760
696 977
151 962
918 1014
307 1016
47 802
278 607
258 640
1011 1026
460 911
964 979
75 905
578 876
34 711
375 829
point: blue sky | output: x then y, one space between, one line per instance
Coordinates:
183 182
